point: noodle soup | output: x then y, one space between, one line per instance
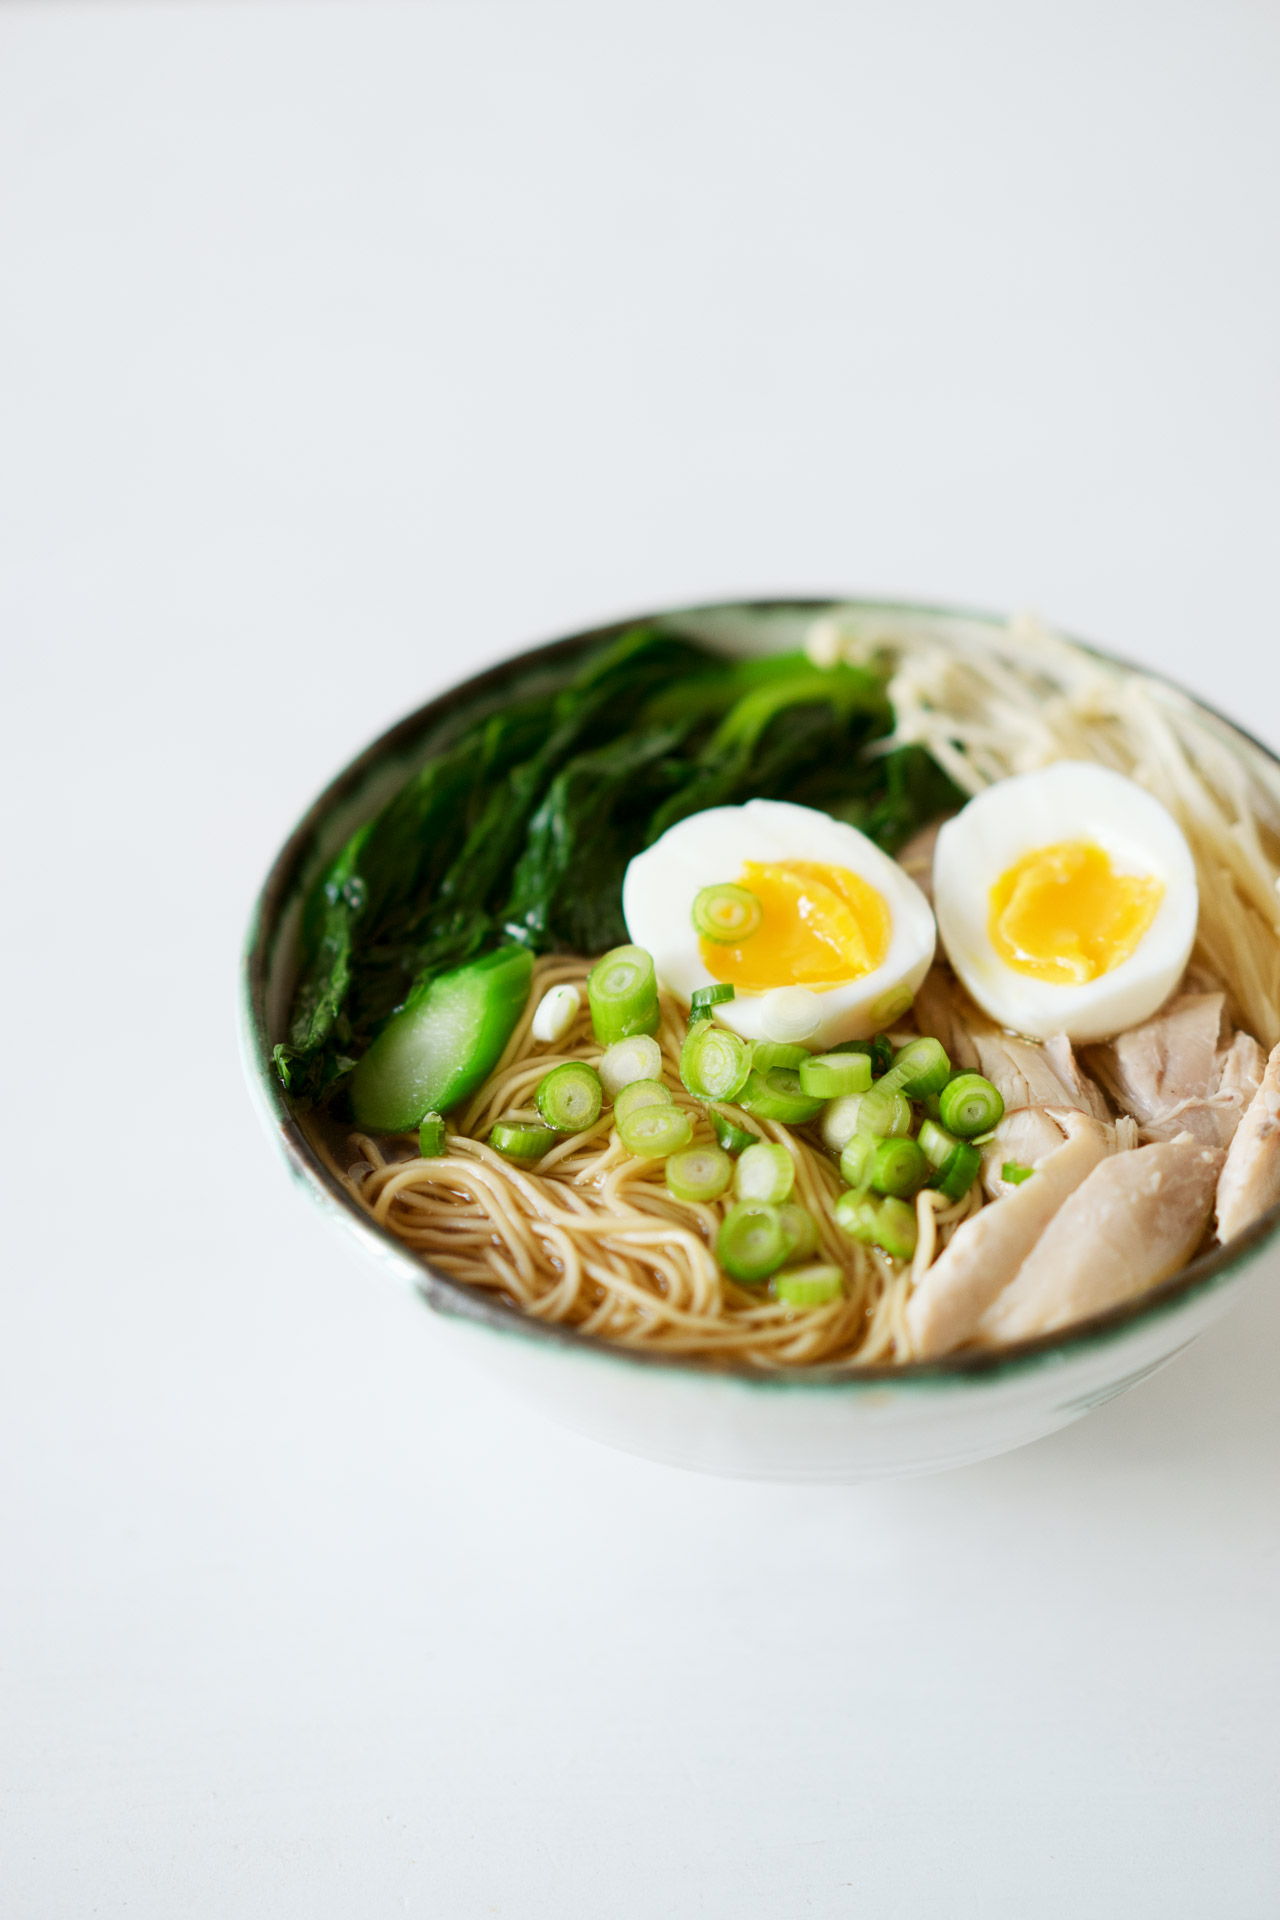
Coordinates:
908 989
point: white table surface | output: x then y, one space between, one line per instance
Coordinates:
347 348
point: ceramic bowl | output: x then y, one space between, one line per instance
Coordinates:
825 1423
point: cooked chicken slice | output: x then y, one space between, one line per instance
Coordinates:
1135 1220
1250 1180
944 1010
1243 1066
1171 1071
1024 1136
1025 1073
988 1249
1080 1090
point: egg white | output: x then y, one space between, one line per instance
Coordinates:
661 883
1071 800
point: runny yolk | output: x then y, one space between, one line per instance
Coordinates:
822 925
1064 914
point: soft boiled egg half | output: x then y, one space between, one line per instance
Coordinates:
1066 901
821 935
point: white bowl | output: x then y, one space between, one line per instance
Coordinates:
820 1423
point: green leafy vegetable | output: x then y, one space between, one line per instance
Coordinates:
530 801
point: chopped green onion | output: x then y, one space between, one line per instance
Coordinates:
732 1137
431 1141
878 1050
958 1171
726 914
701 1173
889 1223
815 1286
801 1230
653 1132
778 1053
622 988
718 994
525 1144
829 1076
557 1010
641 1093
922 1067
898 1167
840 1122
777 1095
969 1104
570 1097
884 1111
751 1243
857 1160
935 1142
765 1172
933 1107
1015 1174
714 1063
639 1058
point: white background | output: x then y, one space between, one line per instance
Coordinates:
345 349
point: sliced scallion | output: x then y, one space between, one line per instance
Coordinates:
801 1230
879 1050
958 1171
831 1076
653 1132
622 988
898 1167
718 994
885 1111
840 1122
765 1172
922 1067
639 1058
570 1097
726 914
751 1243
431 1140
525 1144
814 1286
699 1174
969 1105
778 1095
778 1053
714 1063
557 1010
641 1093
936 1142
857 1160
1015 1174
889 1223
732 1137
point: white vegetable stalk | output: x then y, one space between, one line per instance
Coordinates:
790 1014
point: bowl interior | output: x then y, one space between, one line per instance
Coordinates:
364 785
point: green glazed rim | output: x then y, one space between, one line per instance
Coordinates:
292 870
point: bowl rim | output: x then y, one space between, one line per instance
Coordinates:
456 1298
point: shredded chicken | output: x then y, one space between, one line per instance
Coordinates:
1175 1074
1133 1222
1250 1180
987 1251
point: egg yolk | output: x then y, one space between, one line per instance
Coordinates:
821 926
1064 914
